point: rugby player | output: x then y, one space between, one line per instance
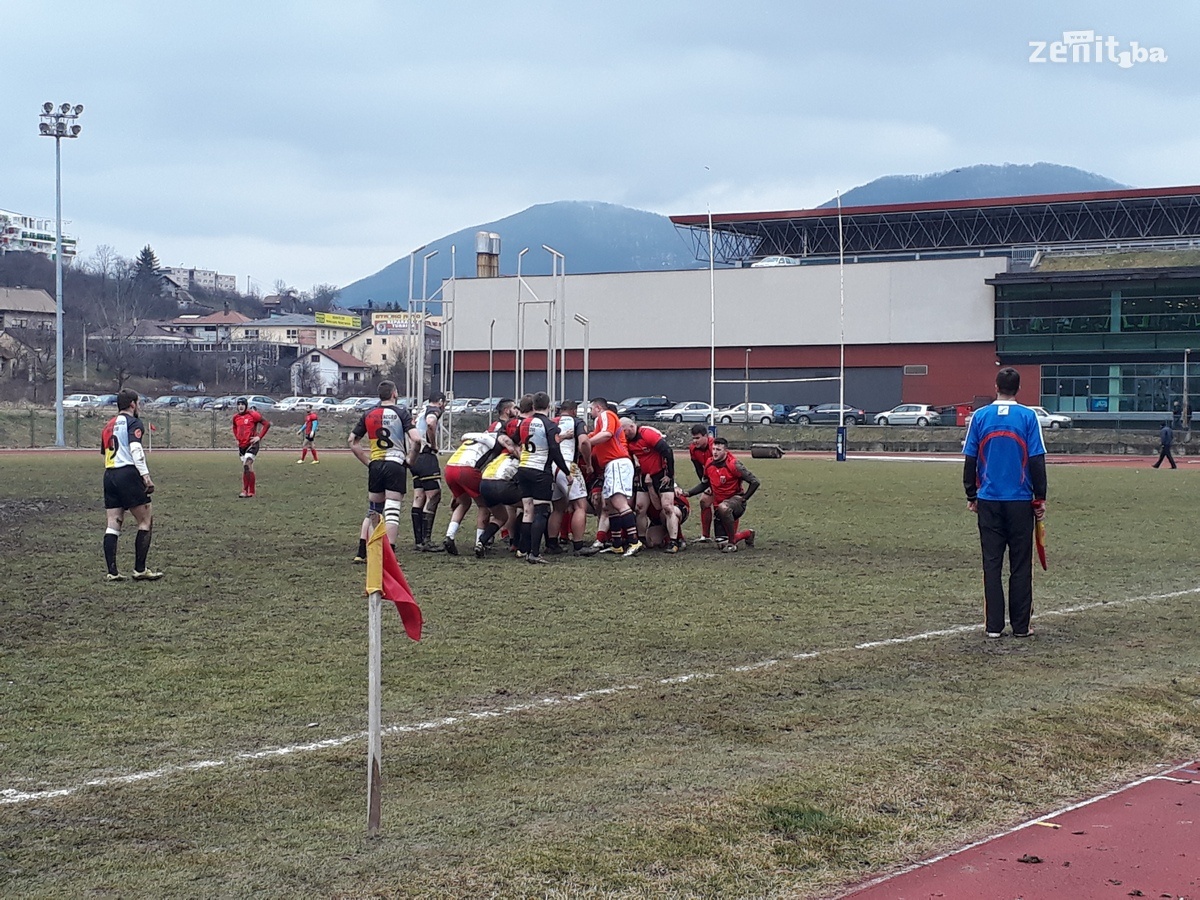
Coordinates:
656 460
700 452
463 474
127 486
611 455
569 507
309 430
392 436
249 428
539 449
427 489
732 484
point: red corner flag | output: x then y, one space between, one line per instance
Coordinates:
1039 533
384 575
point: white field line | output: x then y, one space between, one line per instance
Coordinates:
1045 818
12 795
882 457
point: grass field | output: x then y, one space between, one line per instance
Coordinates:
742 725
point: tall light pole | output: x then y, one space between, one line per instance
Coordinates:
420 394
491 352
519 361
409 376
746 383
712 330
840 452
1187 406
587 346
59 124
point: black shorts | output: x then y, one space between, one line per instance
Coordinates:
536 484
124 488
736 505
426 472
663 482
252 449
499 493
310 437
386 475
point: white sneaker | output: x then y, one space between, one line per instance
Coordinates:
633 549
147 575
729 548
704 539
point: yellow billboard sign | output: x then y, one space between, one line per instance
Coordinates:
338 321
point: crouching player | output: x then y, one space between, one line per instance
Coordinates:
732 485
463 475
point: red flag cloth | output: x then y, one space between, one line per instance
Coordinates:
384 575
1039 533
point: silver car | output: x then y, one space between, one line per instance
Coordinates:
689 411
919 414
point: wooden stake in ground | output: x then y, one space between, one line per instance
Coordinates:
374 738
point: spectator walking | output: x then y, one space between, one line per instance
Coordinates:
1166 437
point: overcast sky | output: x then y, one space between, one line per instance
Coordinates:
317 142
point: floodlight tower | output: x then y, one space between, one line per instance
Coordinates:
59 124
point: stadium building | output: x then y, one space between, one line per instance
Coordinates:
1094 296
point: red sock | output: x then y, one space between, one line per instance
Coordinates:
245 482
564 528
706 520
250 490
314 449
740 536
304 453
603 536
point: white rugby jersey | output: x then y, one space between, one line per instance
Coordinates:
473 447
117 440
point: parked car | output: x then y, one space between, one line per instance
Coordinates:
642 407
759 413
104 400
688 411
342 406
171 400
287 404
226 402
79 400
1051 420
780 412
460 405
362 404
827 414
772 261
322 403
199 402
259 402
919 414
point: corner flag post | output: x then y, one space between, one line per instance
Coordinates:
374 737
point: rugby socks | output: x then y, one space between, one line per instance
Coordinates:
428 524
479 532
250 479
452 529
141 547
488 534
706 521
245 481
418 523
631 533
362 549
304 453
110 550
541 519
314 453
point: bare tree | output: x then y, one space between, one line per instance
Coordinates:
37 355
307 378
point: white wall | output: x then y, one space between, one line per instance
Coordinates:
941 301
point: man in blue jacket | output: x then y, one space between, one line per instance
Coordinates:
1166 437
1004 475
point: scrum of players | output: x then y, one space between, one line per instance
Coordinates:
534 478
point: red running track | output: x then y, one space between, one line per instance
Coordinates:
1140 840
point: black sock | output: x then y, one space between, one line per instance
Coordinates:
362 549
578 545
418 523
141 546
541 519
489 533
110 552
429 517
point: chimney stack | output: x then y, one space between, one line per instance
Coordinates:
487 254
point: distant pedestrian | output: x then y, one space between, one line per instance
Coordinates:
1176 414
1166 437
1004 475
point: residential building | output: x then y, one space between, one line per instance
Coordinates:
188 279
208 332
26 308
293 329
35 234
336 372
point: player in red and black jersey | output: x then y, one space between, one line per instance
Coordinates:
249 428
392 442
309 431
656 460
732 485
700 452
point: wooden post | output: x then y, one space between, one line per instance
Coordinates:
374 738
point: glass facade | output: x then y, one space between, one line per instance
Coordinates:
1110 344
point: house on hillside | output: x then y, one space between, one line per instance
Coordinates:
26 308
332 372
208 332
